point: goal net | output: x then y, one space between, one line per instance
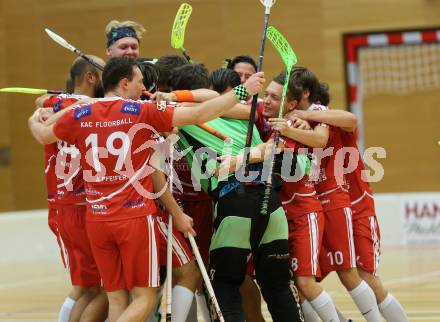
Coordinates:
390 62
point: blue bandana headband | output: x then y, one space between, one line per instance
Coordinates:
119 33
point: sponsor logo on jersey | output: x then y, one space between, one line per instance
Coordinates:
133 203
161 105
131 108
266 127
94 192
99 207
57 105
79 192
81 112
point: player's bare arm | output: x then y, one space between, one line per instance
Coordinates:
197 95
316 138
56 116
42 132
259 153
39 102
182 221
216 107
238 111
339 118
299 123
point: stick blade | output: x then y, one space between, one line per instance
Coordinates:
179 26
282 46
23 90
268 3
60 40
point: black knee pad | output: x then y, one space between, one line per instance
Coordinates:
273 276
228 264
272 266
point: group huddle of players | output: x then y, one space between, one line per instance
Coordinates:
108 177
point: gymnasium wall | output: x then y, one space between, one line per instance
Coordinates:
217 29
408 127
6 194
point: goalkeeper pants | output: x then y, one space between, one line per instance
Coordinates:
240 230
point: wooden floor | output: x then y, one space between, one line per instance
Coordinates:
35 291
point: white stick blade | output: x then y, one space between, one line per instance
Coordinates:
268 3
58 39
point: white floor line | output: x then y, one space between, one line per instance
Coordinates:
398 281
426 311
412 279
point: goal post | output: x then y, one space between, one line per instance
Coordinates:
389 62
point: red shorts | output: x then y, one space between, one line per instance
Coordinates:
305 239
201 213
79 258
52 222
338 250
126 252
181 252
366 235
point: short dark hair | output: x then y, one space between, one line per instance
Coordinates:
221 78
151 75
307 80
324 94
190 76
242 59
116 69
165 64
294 90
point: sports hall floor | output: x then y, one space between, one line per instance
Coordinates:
34 291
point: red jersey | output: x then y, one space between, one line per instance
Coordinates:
298 198
188 193
57 102
50 156
330 184
182 178
361 194
261 123
115 137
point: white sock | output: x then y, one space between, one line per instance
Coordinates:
364 298
202 306
324 306
192 314
65 310
308 312
392 310
181 303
